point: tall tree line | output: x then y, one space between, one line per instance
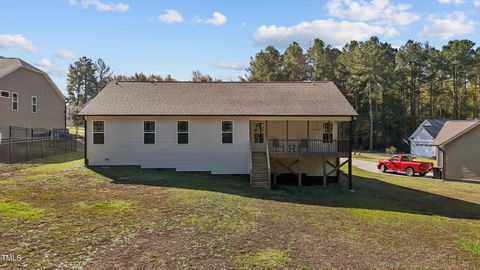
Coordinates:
392 89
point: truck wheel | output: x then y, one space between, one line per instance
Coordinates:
383 168
423 174
410 171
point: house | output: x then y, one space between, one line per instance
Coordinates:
257 129
458 144
421 139
28 98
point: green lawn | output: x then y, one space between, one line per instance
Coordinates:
376 157
57 214
76 130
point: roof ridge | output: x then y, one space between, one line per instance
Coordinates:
266 82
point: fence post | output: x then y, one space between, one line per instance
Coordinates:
54 148
65 141
28 148
11 151
41 147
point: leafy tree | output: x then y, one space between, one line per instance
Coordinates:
459 56
197 76
322 60
85 80
141 77
81 81
266 66
294 63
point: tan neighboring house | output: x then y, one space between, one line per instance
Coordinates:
264 130
458 144
28 98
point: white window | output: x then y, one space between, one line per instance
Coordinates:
98 132
148 132
4 94
182 132
227 132
34 104
14 101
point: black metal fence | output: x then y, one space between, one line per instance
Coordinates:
20 150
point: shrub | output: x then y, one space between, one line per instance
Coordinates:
391 150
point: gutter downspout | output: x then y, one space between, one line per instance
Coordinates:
85 142
443 162
65 116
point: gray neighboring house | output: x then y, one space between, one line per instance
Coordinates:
421 139
257 129
28 98
458 144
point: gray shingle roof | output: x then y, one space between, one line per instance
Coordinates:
228 98
435 126
8 65
451 129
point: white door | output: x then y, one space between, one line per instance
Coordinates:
258 136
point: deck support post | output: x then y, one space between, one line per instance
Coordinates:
324 166
299 171
337 165
350 186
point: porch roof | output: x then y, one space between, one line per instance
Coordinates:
220 99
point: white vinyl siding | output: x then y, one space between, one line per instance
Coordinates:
421 144
205 152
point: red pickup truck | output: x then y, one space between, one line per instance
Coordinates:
404 164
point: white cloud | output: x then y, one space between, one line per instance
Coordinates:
47 66
64 54
232 65
101 6
379 11
17 42
453 24
217 19
476 3
44 63
171 16
333 32
455 2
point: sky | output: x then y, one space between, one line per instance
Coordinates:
216 37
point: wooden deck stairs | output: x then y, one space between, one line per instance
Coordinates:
260 175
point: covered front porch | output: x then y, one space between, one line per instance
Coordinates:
301 147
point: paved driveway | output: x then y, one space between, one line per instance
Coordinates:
372 167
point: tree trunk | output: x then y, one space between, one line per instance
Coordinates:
455 94
464 98
371 122
431 98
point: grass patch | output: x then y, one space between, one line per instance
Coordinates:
20 210
265 259
379 217
470 246
202 221
76 130
111 205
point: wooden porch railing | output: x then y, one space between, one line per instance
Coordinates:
308 146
